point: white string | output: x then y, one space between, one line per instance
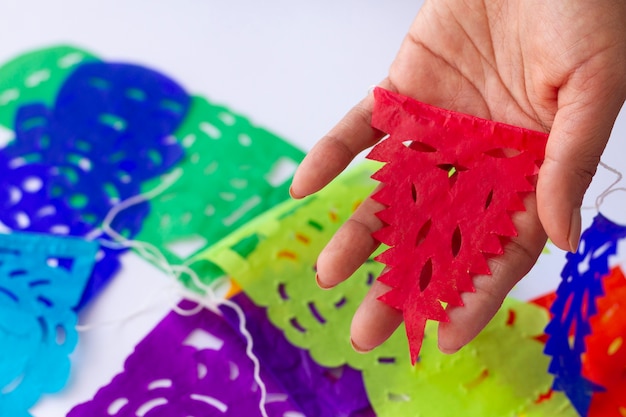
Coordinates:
150 252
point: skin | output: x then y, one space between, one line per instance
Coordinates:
555 66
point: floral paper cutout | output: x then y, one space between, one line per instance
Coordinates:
41 281
573 307
451 182
227 177
189 365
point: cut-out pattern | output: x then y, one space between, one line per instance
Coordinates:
36 77
41 281
232 172
192 365
575 304
107 131
605 359
276 271
102 143
449 196
318 391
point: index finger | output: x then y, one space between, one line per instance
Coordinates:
332 154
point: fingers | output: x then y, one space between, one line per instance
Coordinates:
520 254
350 247
337 149
581 129
374 321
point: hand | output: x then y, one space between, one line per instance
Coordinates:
555 66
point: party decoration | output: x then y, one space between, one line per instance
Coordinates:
450 184
575 304
273 260
36 77
41 281
317 390
190 364
232 171
605 359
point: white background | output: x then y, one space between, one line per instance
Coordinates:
293 67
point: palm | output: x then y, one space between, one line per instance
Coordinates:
550 66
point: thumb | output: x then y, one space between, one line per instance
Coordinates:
581 129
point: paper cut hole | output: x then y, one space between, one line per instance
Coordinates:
37 77
113 121
386 360
12 386
60 229
341 302
201 340
398 398
160 383
61 335
422 147
583 266
99 83
334 374
22 220
423 232
282 290
78 201
15 195
149 406
244 140
318 316
456 241
70 59
241 211
293 414
32 184
234 371
172 106
10 294
45 301
489 199
370 278
227 118
296 325
413 193
186 247
282 170
8 96
210 130
275 397
116 406
510 321
202 370
426 275
135 94
615 346
210 401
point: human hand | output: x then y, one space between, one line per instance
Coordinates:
557 66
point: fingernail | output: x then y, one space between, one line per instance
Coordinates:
294 196
319 283
357 348
574 230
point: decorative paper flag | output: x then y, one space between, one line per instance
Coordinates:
500 373
232 172
36 77
317 390
107 133
41 281
450 184
575 303
273 259
193 365
605 359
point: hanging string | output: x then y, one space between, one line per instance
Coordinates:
206 298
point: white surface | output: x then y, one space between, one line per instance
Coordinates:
293 67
